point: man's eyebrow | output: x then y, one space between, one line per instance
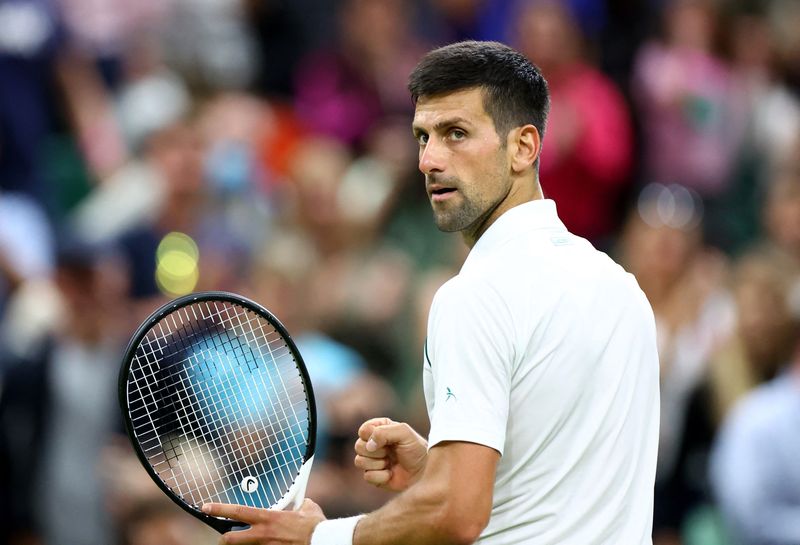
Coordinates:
443 124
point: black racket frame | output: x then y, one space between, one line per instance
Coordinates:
220 525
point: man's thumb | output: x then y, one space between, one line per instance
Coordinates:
387 435
365 431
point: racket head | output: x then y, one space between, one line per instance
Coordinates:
218 405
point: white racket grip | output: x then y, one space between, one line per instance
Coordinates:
297 492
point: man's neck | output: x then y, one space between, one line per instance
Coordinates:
512 200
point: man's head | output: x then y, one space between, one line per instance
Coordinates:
514 91
481 111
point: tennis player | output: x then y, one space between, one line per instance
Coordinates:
540 366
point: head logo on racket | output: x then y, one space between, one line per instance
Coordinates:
249 484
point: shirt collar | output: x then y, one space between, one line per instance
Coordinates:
528 216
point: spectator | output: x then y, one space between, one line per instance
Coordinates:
772 118
684 282
761 344
355 262
784 16
26 245
316 169
211 44
343 90
284 31
31 32
782 214
58 410
773 110
766 329
683 89
754 469
586 163
481 20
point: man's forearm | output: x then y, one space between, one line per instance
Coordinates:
419 515
442 508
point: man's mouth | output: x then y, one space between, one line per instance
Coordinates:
439 193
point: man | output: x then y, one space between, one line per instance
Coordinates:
541 374
754 471
57 408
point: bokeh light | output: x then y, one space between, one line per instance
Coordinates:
177 270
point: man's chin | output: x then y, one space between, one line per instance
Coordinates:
448 225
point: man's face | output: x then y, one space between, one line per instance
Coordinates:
464 161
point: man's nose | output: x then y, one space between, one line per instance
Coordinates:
431 158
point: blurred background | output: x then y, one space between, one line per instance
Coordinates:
151 148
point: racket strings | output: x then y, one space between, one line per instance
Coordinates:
237 461
282 406
165 420
246 452
175 448
226 458
211 481
294 390
238 405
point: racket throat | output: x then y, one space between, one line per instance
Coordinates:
297 492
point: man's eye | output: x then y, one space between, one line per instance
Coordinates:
422 139
457 134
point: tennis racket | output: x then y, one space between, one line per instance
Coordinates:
218 405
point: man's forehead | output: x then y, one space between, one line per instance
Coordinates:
465 103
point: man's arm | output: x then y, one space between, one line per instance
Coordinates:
451 503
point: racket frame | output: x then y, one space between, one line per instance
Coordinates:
294 495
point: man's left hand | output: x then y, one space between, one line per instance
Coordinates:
268 527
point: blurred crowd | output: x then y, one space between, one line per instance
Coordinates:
151 148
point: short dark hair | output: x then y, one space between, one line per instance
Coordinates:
515 92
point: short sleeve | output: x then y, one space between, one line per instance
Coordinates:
470 351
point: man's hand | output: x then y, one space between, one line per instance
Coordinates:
391 454
268 527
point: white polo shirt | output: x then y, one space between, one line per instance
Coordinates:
544 349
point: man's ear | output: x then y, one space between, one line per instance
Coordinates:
525 145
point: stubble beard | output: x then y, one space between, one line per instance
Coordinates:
458 218
450 217
464 216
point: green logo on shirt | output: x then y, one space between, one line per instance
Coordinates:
449 395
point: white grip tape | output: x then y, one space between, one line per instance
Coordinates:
335 531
